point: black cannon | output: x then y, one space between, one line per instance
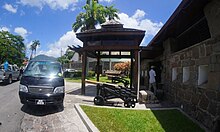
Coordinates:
107 91
116 79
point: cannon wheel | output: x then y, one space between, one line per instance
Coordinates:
99 100
129 102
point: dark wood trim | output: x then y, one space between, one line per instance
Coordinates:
98 66
135 81
84 64
115 56
111 47
131 71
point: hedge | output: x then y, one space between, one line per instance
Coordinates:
77 74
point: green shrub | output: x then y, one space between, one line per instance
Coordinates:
77 74
91 74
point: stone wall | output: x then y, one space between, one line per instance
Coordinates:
201 102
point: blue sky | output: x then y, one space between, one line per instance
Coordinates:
50 21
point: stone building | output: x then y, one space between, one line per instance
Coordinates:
186 53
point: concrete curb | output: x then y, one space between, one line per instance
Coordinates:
88 123
111 107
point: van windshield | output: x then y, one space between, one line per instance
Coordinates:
43 69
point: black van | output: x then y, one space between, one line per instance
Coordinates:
42 82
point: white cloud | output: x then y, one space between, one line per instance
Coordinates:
106 1
4 29
138 21
53 4
21 31
68 39
10 8
139 14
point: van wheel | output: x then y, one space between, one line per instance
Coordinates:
9 80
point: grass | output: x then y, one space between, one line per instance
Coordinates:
78 79
123 120
101 79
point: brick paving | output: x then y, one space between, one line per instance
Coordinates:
54 119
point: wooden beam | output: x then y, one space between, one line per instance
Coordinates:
115 56
111 47
152 48
84 63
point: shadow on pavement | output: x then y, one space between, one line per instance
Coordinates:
90 91
41 110
5 84
2 84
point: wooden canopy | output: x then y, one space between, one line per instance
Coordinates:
189 16
111 41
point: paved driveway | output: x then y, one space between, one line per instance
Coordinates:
54 119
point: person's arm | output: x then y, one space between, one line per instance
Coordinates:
154 73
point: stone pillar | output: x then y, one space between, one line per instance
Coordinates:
212 13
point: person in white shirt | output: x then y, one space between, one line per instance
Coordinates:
152 80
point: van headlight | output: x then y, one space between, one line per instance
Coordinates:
23 88
59 90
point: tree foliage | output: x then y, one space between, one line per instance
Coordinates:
95 14
12 48
111 12
33 47
66 58
123 66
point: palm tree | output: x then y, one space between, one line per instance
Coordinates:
89 1
111 12
33 47
95 14
87 20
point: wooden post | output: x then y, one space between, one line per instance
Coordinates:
139 74
135 70
84 65
131 70
98 66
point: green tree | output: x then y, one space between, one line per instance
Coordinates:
66 58
95 14
111 12
33 48
89 1
12 48
69 54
